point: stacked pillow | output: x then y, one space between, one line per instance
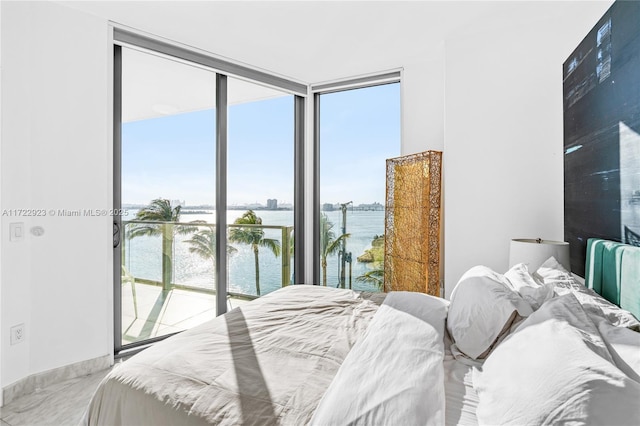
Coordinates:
552 273
548 349
483 308
531 290
486 306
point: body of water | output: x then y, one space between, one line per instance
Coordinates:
143 255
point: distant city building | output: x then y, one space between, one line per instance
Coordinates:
328 207
272 204
370 207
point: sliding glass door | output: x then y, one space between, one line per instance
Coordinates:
206 185
167 195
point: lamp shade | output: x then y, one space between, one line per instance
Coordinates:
534 252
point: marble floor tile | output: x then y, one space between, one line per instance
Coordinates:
61 404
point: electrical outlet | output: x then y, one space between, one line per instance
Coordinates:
17 334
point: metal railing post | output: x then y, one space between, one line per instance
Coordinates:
286 256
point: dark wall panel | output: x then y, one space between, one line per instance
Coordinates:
602 133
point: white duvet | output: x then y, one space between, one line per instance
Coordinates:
265 363
395 374
555 368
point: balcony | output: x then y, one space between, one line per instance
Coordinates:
168 279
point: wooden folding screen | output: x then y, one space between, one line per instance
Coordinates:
412 223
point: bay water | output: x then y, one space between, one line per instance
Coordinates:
143 255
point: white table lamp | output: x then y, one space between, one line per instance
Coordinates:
534 252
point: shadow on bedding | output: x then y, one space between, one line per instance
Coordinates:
255 399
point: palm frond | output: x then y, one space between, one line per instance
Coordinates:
245 235
334 246
248 218
271 244
185 229
203 243
374 276
159 210
139 230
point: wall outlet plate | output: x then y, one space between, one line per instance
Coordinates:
17 334
16 231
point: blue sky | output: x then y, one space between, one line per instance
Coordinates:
174 156
359 130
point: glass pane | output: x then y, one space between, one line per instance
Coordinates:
359 130
168 193
260 194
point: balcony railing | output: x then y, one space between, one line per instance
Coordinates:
181 255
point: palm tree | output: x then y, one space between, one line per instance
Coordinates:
254 236
329 244
374 276
203 243
160 210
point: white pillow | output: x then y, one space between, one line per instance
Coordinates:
555 369
519 277
552 273
482 309
552 269
529 287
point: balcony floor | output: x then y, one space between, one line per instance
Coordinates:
159 315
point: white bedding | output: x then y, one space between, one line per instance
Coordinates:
555 369
334 357
267 362
574 358
461 399
394 374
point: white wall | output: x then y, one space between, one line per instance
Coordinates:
423 97
503 158
55 154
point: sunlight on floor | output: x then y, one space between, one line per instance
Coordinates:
159 314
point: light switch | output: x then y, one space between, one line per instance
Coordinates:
16 231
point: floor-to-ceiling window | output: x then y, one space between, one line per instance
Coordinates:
204 166
358 129
209 176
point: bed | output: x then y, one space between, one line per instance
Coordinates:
524 347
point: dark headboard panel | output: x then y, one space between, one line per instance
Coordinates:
602 134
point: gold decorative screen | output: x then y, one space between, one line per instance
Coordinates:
412 223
